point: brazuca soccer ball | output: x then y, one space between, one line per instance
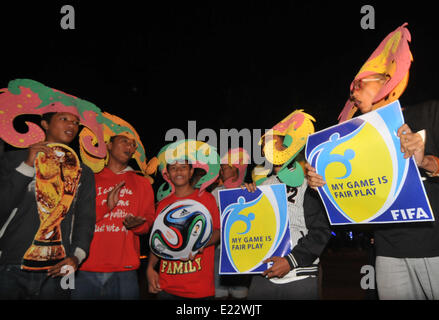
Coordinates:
181 228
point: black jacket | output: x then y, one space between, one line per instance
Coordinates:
19 219
420 239
309 229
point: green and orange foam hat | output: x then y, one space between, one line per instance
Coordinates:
198 153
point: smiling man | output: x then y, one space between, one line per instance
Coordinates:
192 278
191 283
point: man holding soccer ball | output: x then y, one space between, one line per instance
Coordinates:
180 278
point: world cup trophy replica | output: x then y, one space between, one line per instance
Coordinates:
57 179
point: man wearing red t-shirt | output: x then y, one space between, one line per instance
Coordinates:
124 210
194 277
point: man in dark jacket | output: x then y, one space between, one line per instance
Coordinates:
20 221
407 255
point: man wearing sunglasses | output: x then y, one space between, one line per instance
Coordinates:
407 256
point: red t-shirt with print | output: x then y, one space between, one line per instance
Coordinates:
114 248
191 279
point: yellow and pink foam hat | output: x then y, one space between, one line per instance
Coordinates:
115 126
295 129
25 96
238 158
393 59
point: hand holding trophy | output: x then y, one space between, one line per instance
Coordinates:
57 178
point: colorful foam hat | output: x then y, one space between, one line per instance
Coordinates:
260 174
392 58
25 96
239 159
199 154
114 126
295 129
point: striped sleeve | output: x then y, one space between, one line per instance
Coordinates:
311 245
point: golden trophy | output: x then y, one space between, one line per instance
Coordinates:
57 179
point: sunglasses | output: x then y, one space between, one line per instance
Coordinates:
359 84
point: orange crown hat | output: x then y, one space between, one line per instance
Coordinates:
113 126
25 96
393 58
238 158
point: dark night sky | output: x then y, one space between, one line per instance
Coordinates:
240 64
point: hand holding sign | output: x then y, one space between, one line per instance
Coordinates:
314 179
280 267
368 178
412 144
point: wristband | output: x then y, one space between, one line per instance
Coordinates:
436 173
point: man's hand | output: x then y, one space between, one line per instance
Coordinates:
131 221
411 144
314 180
33 152
279 269
60 269
113 195
251 187
191 256
153 280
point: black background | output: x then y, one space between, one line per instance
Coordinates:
240 64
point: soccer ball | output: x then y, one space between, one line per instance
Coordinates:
181 228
